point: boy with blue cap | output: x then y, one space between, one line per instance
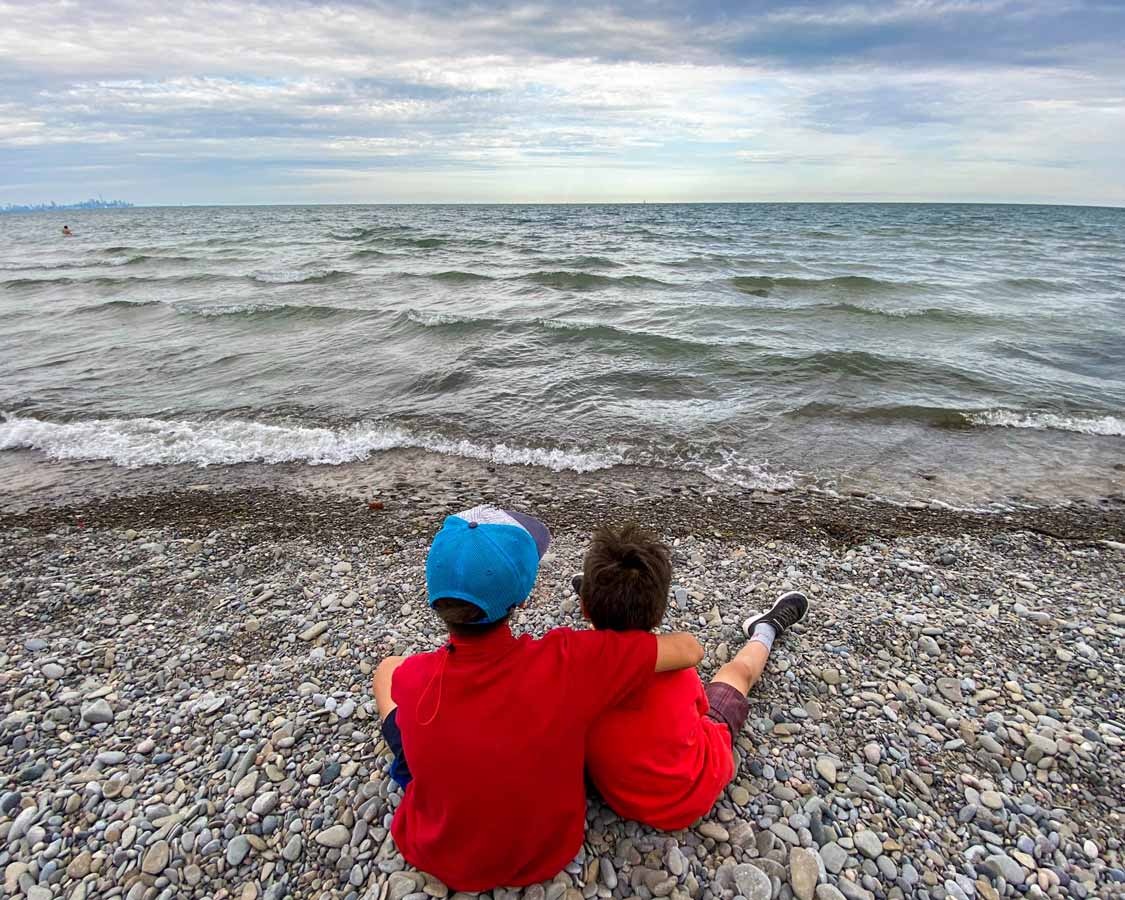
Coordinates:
488 732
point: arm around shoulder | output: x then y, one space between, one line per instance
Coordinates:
677 651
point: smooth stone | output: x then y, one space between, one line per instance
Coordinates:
335 836
834 857
246 786
826 769
713 830
110 758
950 689
97 713
868 843
752 883
1007 868
237 850
313 631
292 850
786 833
803 872
79 867
400 885
156 858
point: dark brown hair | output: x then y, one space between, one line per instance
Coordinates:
625 579
463 618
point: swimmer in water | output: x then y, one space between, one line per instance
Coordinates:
67 232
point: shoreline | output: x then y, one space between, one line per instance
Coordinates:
994 468
38 483
185 675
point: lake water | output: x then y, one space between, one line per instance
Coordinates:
959 352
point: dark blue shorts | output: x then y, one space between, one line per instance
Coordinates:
400 771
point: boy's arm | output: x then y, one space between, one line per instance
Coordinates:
677 651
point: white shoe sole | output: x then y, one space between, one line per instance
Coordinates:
748 625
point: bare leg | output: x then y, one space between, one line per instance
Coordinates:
381 684
743 672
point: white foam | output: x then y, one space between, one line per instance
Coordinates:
233 309
735 469
148 442
569 324
433 319
1110 426
288 276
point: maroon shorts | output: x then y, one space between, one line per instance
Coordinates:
728 706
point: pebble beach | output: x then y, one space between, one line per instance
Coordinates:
186 708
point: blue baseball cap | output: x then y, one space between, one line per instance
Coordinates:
488 557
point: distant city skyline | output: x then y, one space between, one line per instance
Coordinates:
298 102
52 205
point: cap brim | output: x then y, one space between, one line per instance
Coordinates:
538 531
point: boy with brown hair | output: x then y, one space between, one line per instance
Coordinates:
489 731
665 754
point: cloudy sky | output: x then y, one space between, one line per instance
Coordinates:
664 100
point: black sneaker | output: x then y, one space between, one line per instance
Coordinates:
790 608
576 583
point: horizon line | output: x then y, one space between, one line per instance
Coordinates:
484 203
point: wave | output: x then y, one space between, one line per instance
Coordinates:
934 416
860 284
826 235
929 313
133 443
576 329
1038 285
363 234
146 257
580 262
62 266
586 281
871 366
296 276
294 311
273 311
112 281
734 468
116 305
441 320
370 253
561 279
1106 426
580 329
428 243
458 277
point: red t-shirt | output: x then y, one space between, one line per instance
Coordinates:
494 732
656 757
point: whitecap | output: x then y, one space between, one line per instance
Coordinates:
1109 426
140 442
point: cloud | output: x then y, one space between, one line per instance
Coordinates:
227 102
